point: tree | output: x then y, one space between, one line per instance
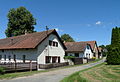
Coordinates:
115 40
67 38
113 57
20 20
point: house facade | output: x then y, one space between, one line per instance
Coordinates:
41 47
94 47
79 49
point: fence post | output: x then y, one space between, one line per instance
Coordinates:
30 65
15 65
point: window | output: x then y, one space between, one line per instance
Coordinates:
9 57
54 59
58 59
24 57
5 57
47 59
76 54
54 43
88 47
14 57
2 50
0 57
50 42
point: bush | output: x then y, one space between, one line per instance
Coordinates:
113 57
69 57
94 58
2 70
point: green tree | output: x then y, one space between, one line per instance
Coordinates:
20 20
113 57
67 38
115 40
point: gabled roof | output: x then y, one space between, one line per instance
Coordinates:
31 40
92 43
75 46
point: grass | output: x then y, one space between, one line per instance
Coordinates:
28 73
98 73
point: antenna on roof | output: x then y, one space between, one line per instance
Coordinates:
47 30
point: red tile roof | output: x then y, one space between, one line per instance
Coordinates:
92 43
26 41
75 46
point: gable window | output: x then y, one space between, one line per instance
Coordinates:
88 47
56 44
50 42
24 57
9 57
53 43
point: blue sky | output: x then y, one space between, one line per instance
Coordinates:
84 20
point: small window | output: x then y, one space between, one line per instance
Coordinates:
76 54
2 50
50 42
47 59
88 47
24 57
5 57
9 57
54 43
0 57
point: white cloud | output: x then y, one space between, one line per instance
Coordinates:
98 23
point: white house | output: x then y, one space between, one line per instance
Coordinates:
94 47
79 49
41 47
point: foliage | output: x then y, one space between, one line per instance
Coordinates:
113 57
69 57
115 40
93 57
67 38
2 70
19 21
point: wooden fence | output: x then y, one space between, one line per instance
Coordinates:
9 67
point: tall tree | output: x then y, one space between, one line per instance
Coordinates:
115 40
20 20
67 38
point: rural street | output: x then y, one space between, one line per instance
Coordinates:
52 76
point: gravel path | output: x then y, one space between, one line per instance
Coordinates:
53 76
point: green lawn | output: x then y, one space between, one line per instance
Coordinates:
99 73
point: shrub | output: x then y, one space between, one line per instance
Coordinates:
93 57
113 57
69 57
2 70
